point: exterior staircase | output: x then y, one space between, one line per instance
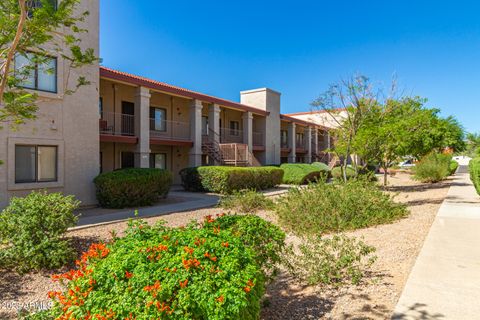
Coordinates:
228 154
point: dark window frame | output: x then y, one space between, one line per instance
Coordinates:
35 88
152 159
152 124
234 131
37 180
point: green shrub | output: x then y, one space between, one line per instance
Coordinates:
301 173
434 167
246 201
338 206
225 180
337 173
196 272
453 167
331 261
265 238
474 167
132 187
32 230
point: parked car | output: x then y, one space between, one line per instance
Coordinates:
406 164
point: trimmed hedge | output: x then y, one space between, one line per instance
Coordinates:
322 166
474 166
226 180
302 173
132 187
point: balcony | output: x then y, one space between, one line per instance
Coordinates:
300 144
228 135
117 127
258 140
169 132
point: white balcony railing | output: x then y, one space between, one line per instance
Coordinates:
120 124
169 130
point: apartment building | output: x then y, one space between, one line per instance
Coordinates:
59 150
147 123
122 120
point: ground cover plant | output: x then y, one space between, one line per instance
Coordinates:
332 207
434 167
246 201
453 167
132 187
302 173
333 260
32 231
226 180
201 271
474 167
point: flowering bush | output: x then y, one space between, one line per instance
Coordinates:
32 231
196 272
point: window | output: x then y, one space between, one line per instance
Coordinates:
100 107
299 140
284 138
128 160
37 72
158 161
158 119
35 164
234 128
204 125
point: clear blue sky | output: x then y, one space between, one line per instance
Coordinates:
300 47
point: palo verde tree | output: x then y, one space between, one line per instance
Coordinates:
35 29
354 98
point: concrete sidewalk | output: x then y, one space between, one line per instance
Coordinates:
177 201
445 280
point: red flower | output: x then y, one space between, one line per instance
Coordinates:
183 284
220 299
247 289
128 275
225 244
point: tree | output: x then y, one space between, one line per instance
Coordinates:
404 127
356 97
35 29
473 145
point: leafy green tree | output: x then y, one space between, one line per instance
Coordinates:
404 127
37 28
473 145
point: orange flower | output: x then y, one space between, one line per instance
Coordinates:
225 244
220 299
188 250
247 289
128 275
209 219
183 284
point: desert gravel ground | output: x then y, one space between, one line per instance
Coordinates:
397 244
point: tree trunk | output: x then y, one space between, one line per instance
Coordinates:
385 176
13 48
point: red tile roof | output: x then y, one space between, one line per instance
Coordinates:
287 118
111 74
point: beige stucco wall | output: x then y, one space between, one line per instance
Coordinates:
69 122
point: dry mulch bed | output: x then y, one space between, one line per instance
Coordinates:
397 244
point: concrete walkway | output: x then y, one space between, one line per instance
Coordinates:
177 201
445 280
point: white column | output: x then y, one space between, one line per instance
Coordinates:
214 121
292 156
195 155
308 132
142 127
248 130
315 141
